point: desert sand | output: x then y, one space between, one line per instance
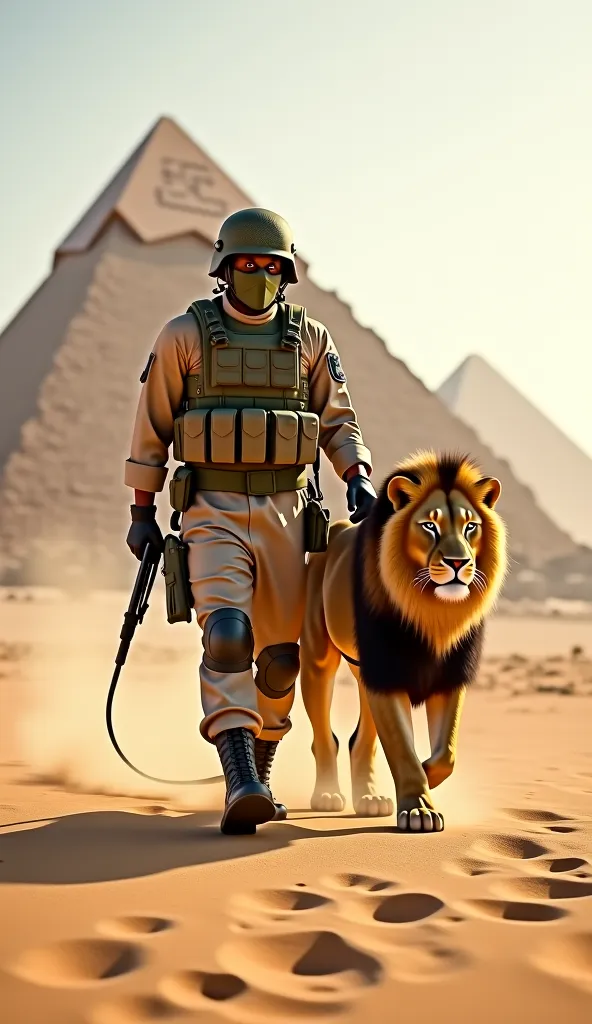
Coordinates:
121 903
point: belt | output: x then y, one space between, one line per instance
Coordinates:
255 481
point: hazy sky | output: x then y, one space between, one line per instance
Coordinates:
434 157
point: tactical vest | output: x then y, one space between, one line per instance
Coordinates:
248 407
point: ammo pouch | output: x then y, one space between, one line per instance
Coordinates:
228 436
179 599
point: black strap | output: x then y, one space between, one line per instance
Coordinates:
316 469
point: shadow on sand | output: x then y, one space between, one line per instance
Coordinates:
101 846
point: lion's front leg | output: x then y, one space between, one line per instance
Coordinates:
415 808
443 711
368 801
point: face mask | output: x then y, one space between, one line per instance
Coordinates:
257 290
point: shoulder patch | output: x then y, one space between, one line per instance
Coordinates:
146 370
335 368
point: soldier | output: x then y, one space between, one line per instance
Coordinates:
247 386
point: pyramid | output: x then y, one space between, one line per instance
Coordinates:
70 363
557 471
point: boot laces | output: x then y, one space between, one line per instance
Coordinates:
264 755
237 756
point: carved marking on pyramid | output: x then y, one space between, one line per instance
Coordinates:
168 187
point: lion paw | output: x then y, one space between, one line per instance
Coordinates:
420 819
374 806
327 802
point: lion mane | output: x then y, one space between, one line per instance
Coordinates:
406 640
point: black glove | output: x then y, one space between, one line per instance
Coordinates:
360 497
144 530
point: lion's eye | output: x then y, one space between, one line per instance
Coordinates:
431 528
470 528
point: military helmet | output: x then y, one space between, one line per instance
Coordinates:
256 231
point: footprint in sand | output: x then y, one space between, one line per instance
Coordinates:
235 1000
141 926
78 962
543 818
407 907
402 908
512 847
510 910
281 975
568 957
422 954
560 865
274 904
535 814
311 966
197 990
544 888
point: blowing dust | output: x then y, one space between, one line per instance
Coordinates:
61 731
62 734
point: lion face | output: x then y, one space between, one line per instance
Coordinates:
440 545
444 538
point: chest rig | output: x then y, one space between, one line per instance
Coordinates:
248 406
248 370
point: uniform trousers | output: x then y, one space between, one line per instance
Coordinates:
247 552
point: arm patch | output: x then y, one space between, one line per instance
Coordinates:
147 368
335 368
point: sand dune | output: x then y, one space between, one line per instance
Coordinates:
121 903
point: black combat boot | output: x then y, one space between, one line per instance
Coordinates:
248 801
264 755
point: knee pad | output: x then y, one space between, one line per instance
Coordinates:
228 641
277 668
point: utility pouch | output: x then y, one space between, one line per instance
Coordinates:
223 435
316 526
316 518
189 439
284 438
308 440
179 599
181 489
253 435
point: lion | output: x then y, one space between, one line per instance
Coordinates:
403 598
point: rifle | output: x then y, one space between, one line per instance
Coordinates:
132 618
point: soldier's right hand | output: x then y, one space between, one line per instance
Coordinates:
144 530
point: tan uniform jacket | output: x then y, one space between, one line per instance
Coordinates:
177 354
